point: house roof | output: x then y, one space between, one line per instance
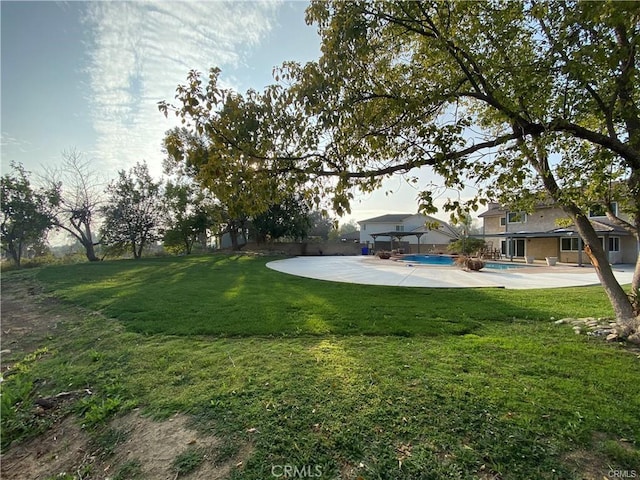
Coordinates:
603 224
351 236
500 210
443 227
600 225
390 218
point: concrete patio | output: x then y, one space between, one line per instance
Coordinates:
368 270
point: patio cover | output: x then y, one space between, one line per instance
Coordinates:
398 235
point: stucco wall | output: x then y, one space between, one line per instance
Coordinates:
629 249
307 248
541 220
539 248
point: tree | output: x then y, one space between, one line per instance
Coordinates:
288 219
26 213
186 215
81 194
321 225
344 229
232 144
133 211
200 148
525 101
466 245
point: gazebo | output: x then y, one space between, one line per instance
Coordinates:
397 235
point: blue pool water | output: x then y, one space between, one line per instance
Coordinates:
447 260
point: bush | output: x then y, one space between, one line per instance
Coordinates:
467 246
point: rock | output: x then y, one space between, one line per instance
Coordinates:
634 338
561 321
577 330
45 403
612 337
600 332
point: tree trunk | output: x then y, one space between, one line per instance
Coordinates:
89 245
16 254
620 302
140 248
635 283
233 235
90 251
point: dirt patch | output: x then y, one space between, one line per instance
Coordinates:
129 447
157 445
587 464
141 448
28 318
590 464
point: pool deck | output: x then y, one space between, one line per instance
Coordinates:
369 270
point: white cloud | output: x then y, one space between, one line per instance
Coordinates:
140 52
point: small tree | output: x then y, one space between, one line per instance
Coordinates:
466 245
186 216
321 225
288 219
133 211
81 194
26 213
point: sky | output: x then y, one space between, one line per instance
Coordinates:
88 76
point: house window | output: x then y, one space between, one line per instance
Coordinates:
364 227
614 244
399 228
503 221
569 244
516 217
600 211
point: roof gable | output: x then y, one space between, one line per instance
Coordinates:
390 218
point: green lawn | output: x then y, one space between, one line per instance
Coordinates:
238 296
379 382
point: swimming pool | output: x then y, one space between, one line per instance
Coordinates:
448 260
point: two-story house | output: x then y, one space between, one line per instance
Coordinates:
411 232
540 234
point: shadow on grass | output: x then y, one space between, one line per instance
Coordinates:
236 295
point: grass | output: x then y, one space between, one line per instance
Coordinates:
238 296
188 461
348 380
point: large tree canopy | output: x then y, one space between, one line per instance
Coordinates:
522 99
525 101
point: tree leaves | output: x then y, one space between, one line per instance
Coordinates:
27 213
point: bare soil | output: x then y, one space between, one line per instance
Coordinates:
142 448
152 446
